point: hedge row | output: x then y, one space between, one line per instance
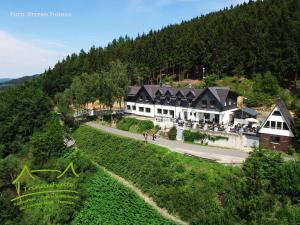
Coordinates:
135 125
188 187
190 136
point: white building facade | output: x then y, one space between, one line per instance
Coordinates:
215 104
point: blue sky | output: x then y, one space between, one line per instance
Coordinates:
29 44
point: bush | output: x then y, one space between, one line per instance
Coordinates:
190 136
145 125
172 133
126 122
134 125
291 150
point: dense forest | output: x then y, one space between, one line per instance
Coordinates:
250 38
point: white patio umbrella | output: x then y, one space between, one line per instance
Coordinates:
252 120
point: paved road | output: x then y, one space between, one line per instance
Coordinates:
221 155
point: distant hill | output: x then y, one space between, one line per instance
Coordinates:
10 82
3 80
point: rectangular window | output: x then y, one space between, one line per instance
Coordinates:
273 124
204 103
206 116
275 139
134 107
128 107
285 127
267 125
171 113
212 104
279 125
141 109
165 111
158 111
148 110
276 113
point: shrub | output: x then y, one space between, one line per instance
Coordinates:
172 133
144 125
291 150
134 125
126 122
190 136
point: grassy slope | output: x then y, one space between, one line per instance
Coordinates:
109 202
188 187
242 86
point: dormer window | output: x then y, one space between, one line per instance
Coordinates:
178 101
158 94
168 99
204 103
212 104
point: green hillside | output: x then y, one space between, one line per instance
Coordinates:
109 202
251 38
199 191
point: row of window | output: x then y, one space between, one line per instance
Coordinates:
276 125
212 104
141 109
165 112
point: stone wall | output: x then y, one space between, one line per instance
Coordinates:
234 141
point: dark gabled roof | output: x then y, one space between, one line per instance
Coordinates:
284 112
249 111
133 90
220 93
179 92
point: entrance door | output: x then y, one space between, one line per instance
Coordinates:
185 115
217 118
206 116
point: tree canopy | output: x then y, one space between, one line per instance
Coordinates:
250 38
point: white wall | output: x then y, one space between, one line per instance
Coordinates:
136 111
235 141
178 111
